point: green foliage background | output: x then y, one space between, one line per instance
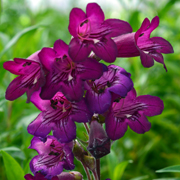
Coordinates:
24 30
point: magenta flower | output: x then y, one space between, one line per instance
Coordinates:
53 157
132 111
30 79
91 33
99 92
140 44
65 75
38 176
58 114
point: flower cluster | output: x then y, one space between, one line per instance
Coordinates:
69 83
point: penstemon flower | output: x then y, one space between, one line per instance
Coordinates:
30 79
99 92
132 111
92 33
64 74
140 44
53 156
58 114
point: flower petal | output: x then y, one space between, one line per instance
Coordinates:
47 57
38 102
47 164
75 18
146 59
60 47
115 127
73 89
141 125
80 112
40 146
117 27
154 104
159 58
38 128
79 51
51 87
98 103
106 49
163 46
65 130
94 13
90 69
15 89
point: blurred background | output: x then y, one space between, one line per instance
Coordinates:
29 25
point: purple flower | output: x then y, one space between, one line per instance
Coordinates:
140 44
53 157
30 79
132 111
58 114
99 92
64 74
38 176
91 33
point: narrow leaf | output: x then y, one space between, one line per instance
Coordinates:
16 37
119 169
170 169
13 169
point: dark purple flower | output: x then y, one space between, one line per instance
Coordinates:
58 114
132 111
38 176
99 92
92 33
64 74
140 44
53 157
99 143
30 79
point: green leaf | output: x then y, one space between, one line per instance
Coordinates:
16 37
140 178
167 179
119 169
13 169
170 169
12 148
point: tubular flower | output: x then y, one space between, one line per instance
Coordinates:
140 44
99 92
58 114
30 79
92 33
53 157
64 74
132 111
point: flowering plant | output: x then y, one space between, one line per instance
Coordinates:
70 83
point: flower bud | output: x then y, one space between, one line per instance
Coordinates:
99 142
78 151
89 162
73 175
